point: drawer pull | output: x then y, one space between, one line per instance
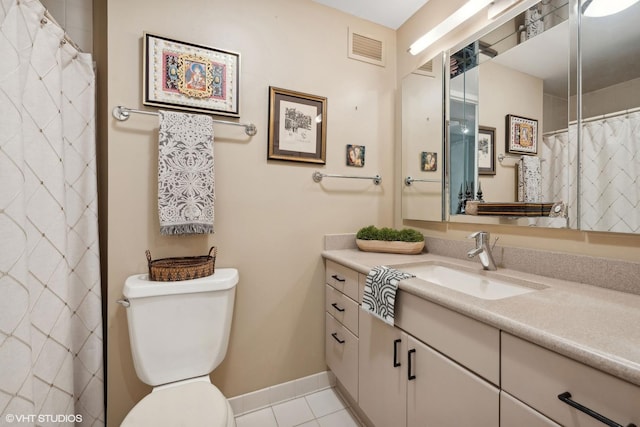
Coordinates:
335 305
410 375
335 337
396 363
566 398
338 278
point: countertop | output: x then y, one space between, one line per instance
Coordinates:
596 326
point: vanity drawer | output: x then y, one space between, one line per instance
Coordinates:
537 376
342 308
342 278
341 348
472 344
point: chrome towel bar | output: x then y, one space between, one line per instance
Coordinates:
408 180
122 113
317 177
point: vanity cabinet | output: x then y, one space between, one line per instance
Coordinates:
342 289
537 376
404 382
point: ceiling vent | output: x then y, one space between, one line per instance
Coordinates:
366 48
426 69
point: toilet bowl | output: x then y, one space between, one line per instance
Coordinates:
190 404
179 332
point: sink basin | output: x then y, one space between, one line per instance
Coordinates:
471 283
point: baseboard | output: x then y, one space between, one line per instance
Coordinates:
268 396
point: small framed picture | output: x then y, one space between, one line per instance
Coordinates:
428 161
486 150
521 135
188 76
355 155
297 126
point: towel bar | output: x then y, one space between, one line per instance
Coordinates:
122 113
408 180
317 177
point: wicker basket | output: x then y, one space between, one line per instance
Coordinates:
184 268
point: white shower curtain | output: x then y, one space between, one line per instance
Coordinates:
51 368
559 175
610 194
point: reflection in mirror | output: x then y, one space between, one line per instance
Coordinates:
514 80
610 131
422 154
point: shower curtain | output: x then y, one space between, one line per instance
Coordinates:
610 194
51 368
559 175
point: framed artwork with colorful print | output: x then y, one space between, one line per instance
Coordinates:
187 76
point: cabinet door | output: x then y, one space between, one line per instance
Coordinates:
442 393
382 380
341 348
514 413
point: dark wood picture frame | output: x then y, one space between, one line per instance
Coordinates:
486 150
297 126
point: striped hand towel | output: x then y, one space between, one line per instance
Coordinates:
380 292
185 173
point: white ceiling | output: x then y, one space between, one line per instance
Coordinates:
390 13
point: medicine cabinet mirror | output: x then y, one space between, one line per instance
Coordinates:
587 154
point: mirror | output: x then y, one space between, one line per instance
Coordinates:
610 131
509 99
422 156
527 68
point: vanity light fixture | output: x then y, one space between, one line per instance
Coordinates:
599 8
456 18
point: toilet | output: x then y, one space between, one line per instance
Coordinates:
179 333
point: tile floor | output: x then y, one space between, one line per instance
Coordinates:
325 408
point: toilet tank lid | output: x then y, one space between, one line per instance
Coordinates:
139 285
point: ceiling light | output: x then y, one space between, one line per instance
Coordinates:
598 8
456 18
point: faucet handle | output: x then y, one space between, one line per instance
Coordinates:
477 233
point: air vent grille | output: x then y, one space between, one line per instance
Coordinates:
366 48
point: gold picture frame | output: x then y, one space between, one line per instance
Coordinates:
297 126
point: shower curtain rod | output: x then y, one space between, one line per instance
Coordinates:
122 113
594 118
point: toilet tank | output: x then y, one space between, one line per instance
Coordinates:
179 330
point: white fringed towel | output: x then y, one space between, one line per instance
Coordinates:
380 292
529 180
186 191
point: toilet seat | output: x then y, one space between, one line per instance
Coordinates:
192 404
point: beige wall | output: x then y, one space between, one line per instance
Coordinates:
610 245
270 216
503 91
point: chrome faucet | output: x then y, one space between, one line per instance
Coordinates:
482 249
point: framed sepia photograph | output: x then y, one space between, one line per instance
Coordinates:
297 126
486 150
355 155
428 161
521 135
187 76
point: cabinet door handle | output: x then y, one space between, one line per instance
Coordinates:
335 337
410 375
396 363
338 278
335 305
566 398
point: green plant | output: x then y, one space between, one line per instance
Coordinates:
389 234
